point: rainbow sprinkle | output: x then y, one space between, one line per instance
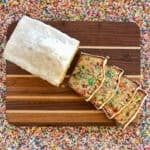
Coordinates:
47 138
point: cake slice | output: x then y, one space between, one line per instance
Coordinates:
41 50
88 74
109 87
127 89
129 113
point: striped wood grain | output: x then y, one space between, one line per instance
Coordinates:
31 100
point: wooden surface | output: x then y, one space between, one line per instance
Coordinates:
97 33
127 59
31 100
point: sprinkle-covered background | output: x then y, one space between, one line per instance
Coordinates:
84 138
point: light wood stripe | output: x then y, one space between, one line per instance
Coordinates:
42 98
110 47
56 111
134 76
33 76
21 76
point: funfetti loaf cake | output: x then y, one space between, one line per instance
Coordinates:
41 50
127 89
109 87
88 74
128 114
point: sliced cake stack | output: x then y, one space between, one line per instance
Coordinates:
106 88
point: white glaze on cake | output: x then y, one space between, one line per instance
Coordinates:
41 49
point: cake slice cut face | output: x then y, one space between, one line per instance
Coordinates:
127 89
41 50
129 113
88 74
109 87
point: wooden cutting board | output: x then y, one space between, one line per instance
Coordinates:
31 100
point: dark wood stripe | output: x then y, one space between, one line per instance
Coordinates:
14 69
33 91
39 91
34 86
29 82
48 104
129 60
97 33
125 59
